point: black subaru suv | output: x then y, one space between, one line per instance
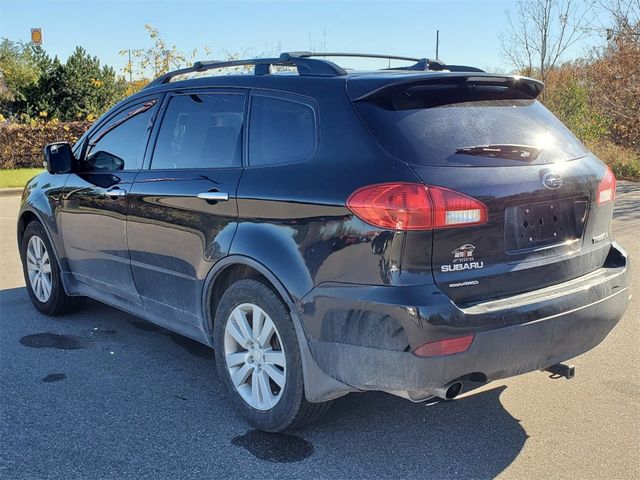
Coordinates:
329 231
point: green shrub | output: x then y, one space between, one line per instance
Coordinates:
567 96
21 144
624 162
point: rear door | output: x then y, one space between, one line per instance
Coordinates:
95 202
183 213
537 182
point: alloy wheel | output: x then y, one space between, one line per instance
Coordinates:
255 359
39 268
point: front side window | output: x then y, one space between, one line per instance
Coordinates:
121 142
280 131
201 131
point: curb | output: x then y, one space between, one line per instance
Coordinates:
10 192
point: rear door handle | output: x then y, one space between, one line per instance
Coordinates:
215 196
116 193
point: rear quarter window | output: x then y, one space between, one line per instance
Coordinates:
281 130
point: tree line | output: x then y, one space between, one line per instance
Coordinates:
597 95
35 87
594 94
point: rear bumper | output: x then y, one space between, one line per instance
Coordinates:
353 336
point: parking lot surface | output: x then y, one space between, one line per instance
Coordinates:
102 394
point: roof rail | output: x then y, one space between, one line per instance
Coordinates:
304 65
308 65
354 55
420 63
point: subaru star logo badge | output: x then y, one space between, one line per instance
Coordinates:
552 181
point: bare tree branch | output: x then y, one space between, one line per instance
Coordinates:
543 32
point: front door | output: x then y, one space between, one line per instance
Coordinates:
182 212
95 201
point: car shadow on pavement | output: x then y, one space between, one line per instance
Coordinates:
472 436
180 424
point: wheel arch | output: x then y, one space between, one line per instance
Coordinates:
318 385
25 218
29 215
230 269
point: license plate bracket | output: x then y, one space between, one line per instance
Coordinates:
544 224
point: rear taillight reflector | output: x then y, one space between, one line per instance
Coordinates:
607 188
457 217
444 347
412 206
451 209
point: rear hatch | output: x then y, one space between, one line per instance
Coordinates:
487 137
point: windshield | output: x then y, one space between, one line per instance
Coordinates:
454 134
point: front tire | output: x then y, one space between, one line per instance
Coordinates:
258 359
42 274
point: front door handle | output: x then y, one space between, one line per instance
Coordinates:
215 196
116 193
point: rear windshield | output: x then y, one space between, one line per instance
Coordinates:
440 135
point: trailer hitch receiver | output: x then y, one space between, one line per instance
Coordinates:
561 370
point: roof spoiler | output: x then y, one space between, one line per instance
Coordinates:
495 85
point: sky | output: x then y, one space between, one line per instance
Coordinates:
469 29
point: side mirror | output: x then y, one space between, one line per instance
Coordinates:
58 158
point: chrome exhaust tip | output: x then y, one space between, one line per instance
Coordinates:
449 391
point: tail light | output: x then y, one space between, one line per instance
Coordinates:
607 189
412 206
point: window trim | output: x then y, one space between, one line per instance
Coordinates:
153 138
145 106
290 97
96 127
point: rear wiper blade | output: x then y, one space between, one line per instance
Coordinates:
508 151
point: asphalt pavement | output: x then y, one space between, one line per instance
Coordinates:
102 394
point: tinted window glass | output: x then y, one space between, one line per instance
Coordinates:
431 136
120 144
201 131
281 131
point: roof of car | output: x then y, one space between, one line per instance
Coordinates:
304 69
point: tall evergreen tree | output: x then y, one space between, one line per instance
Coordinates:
32 85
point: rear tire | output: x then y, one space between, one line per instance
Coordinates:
42 274
258 359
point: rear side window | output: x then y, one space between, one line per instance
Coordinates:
201 131
280 131
438 135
